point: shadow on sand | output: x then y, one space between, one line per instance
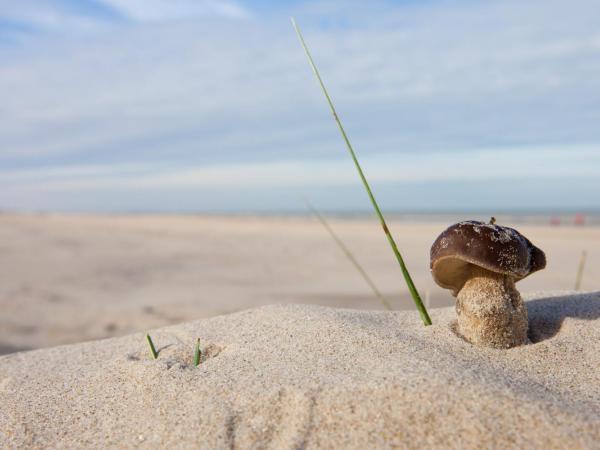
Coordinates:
6 349
546 315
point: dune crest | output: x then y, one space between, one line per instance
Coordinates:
302 376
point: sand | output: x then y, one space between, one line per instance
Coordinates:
304 376
71 278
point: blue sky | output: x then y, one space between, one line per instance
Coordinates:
196 105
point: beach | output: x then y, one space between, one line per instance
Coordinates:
72 278
296 350
299 225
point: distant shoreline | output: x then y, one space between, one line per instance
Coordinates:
556 218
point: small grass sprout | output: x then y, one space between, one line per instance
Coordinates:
152 348
197 353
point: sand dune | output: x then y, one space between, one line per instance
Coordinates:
301 376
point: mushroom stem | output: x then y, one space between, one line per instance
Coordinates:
490 310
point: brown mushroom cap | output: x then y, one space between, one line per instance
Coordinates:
495 248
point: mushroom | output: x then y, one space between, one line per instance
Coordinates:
480 262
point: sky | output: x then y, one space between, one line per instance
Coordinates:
210 105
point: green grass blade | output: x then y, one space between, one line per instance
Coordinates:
197 353
350 256
152 348
409 282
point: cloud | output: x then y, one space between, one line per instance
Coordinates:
484 165
164 10
161 84
19 20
